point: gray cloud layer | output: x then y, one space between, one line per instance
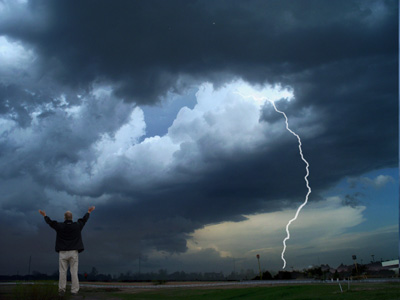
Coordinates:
339 57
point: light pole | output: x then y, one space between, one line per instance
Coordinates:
139 263
355 262
259 266
29 268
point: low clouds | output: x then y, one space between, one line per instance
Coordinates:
324 232
262 233
378 182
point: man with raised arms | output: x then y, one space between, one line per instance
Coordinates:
68 245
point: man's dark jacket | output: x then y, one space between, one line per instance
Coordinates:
68 233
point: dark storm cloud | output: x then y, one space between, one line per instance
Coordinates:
56 136
355 104
144 47
339 57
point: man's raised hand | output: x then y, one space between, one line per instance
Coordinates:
91 209
42 212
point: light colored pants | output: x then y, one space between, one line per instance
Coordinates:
68 258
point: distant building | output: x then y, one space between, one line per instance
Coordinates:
344 269
392 265
374 267
327 268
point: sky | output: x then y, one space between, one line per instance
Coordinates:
160 114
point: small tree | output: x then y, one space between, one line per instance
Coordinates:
267 276
93 274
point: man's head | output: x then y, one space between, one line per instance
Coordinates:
68 215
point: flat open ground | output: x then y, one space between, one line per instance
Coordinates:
208 290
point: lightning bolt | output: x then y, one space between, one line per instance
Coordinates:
305 177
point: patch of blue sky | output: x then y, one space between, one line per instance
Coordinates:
378 191
160 117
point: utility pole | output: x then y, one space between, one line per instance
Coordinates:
259 266
29 268
140 265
